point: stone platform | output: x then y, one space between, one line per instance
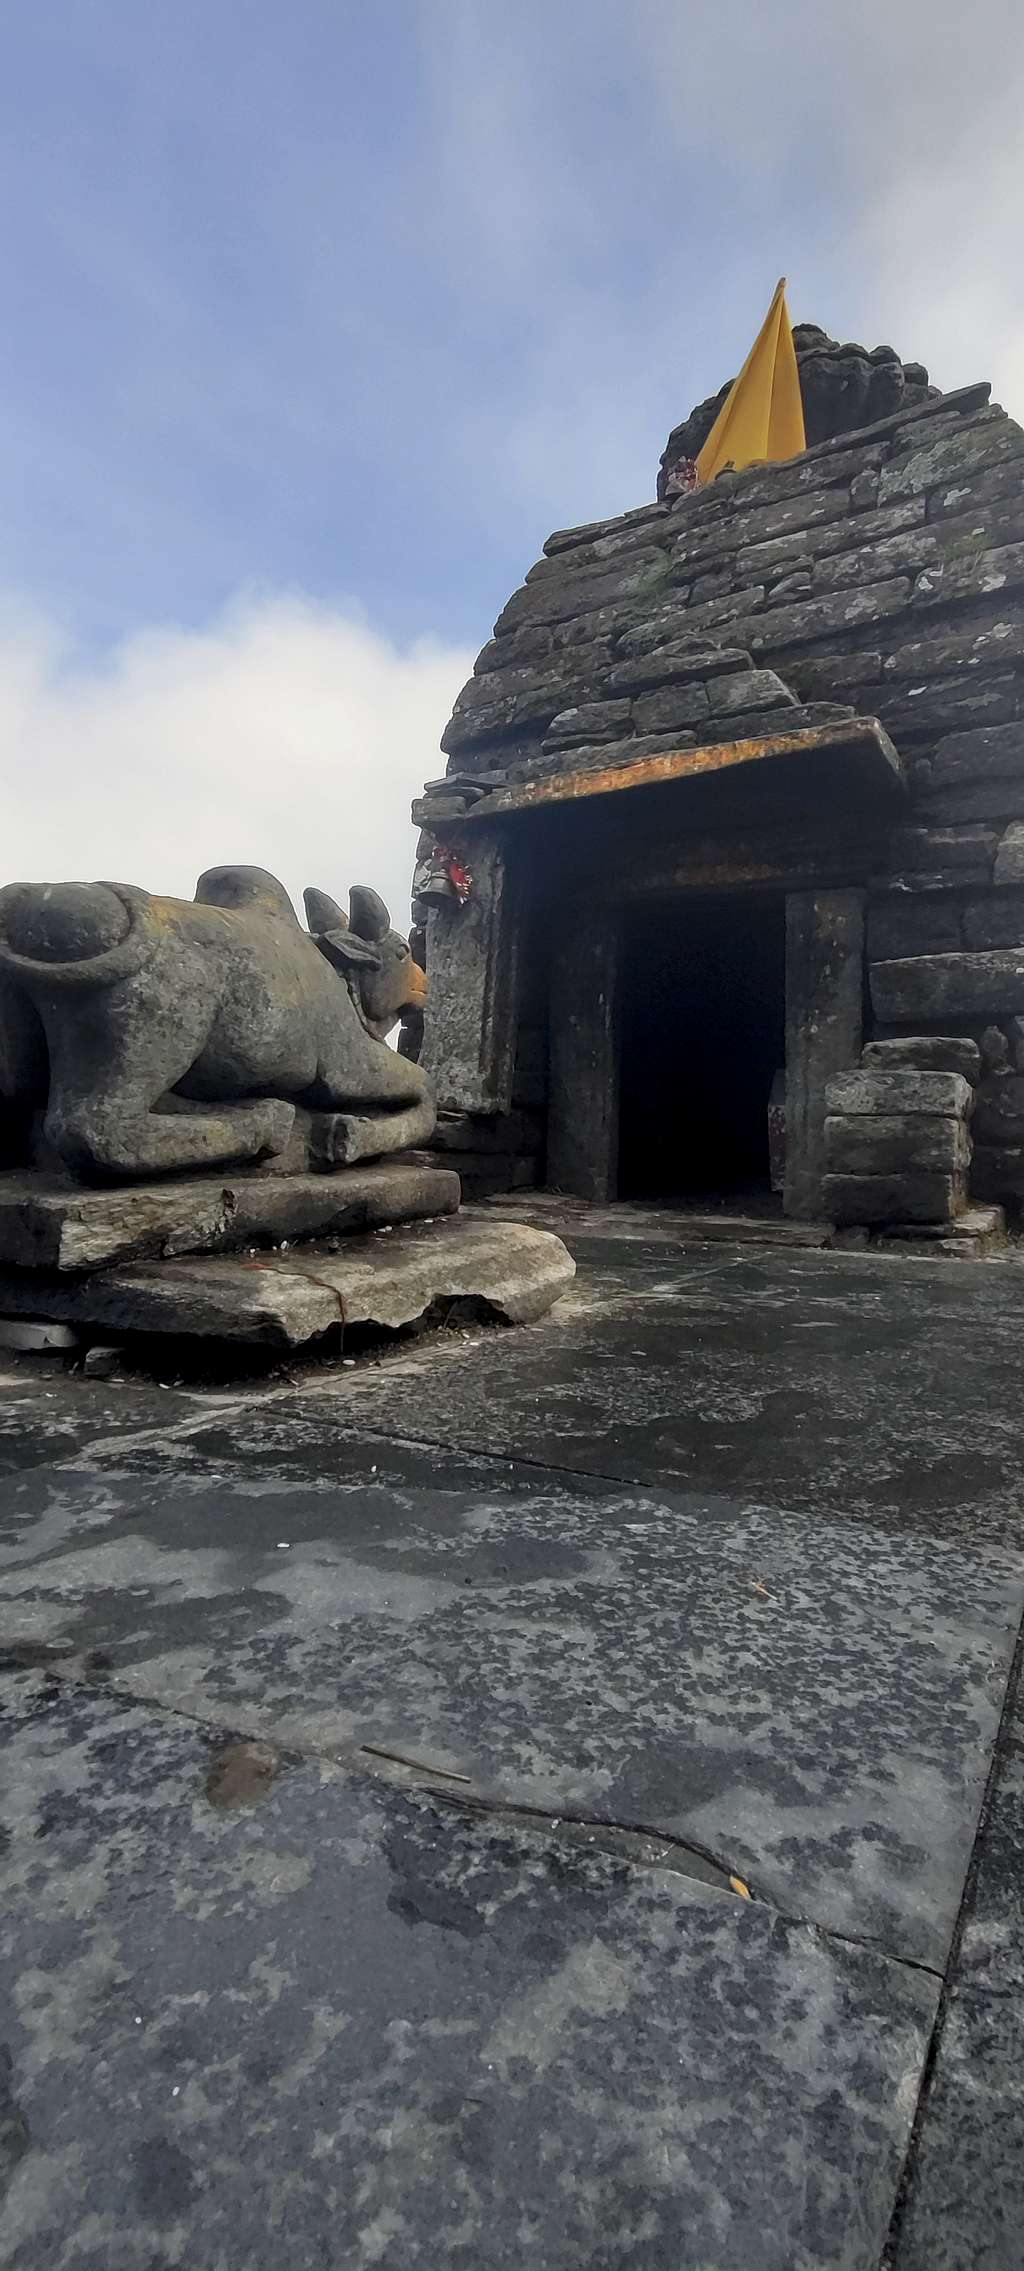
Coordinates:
284 1300
541 1798
49 1223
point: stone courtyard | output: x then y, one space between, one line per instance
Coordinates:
545 1795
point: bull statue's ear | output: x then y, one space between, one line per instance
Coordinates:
347 951
322 912
367 913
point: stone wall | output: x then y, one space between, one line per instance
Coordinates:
883 572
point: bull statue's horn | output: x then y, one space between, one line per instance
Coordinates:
322 912
368 915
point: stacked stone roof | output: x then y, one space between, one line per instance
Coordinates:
881 573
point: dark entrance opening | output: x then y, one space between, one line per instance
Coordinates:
702 1008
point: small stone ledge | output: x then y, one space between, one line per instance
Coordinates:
51 1224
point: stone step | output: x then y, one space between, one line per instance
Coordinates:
279 1300
48 1223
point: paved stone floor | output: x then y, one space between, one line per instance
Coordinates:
549 1797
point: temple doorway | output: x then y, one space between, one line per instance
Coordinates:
702 1024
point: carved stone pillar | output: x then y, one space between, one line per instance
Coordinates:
472 1012
824 1022
583 1042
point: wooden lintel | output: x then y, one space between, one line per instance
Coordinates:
856 739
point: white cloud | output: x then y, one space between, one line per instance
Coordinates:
284 735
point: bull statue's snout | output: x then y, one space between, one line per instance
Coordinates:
418 987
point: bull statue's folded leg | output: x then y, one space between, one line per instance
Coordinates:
375 1135
401 1108
111 1134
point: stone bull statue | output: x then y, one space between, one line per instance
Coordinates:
168 1034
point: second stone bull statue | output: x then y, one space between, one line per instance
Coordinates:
163 1035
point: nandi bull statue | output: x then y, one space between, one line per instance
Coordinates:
167 1034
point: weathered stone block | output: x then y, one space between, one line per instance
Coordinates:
943 850
909 923
933 987
984 800
479 1132
903 553
588 722
986 753
829 470
921 708
970 491
813 676
838 534
997 920
892 1143
52 1225
480 725
671 706
641 516
979 1231
639 575
1009 859
674 665
953 456
713 584
908 1090
597 554
749 690
978 576
703 621
782 522
799 584
967 652
1000 1108
925 1052
781 627
997 1171
870 1199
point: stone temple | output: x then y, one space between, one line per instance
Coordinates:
733 818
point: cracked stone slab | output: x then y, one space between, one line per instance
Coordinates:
965 2195
991 1954
259 2011
834 1382
812 1699
285 1300
49 1223
965 2203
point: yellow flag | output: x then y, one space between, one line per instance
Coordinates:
761 420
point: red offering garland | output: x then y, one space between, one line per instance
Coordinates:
458 876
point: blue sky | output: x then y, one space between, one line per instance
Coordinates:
323 316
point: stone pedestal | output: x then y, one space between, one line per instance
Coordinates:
49 1223
286 1300
898 1147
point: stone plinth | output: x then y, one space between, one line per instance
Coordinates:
897 1140
284 1300
49 1223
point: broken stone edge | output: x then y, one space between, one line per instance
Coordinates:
285 1301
